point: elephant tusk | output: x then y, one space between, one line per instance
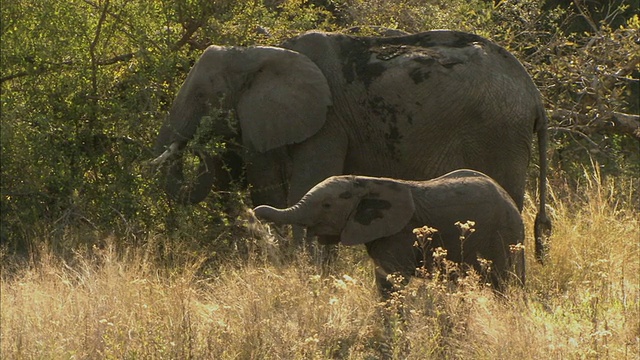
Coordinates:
166 154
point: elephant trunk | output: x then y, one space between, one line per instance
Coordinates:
290 215
181 126
173 138
172 151
199 188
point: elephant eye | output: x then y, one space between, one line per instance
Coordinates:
326 205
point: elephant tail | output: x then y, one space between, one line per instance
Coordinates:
542 226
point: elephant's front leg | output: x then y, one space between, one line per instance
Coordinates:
395 259
317 158
389 282
268 173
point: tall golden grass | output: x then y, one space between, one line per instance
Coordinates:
131 303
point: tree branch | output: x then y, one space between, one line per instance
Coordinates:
629 122
116 59
587 17
612 122
189 30
52 66
94 58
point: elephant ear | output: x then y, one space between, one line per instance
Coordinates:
385 209
286 100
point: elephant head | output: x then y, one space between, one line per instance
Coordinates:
358 209
279 96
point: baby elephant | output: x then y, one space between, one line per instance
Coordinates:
382 213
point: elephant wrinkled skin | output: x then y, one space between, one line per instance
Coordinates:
409 107
382 213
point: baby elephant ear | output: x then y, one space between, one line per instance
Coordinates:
385 209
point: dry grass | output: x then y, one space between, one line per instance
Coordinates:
128 303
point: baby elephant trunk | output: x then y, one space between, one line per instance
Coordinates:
290 215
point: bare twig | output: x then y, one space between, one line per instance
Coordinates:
575 131
587 17
54 66
94 56
610 122
126 29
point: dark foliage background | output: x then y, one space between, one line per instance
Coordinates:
86 84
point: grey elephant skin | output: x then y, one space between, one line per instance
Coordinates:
409 107
382 213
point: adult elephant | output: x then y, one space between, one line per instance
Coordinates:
410 107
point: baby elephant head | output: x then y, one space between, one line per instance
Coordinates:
358 209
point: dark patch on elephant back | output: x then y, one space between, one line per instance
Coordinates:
461 39
356 53
388 52
380 107
454 39
426 61
370 209
389 115
428 39
392 139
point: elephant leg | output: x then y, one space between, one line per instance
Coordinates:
388 283
317 158
510 171
513 271
518 266
267 174
515 185
323 255
395 259
507 267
